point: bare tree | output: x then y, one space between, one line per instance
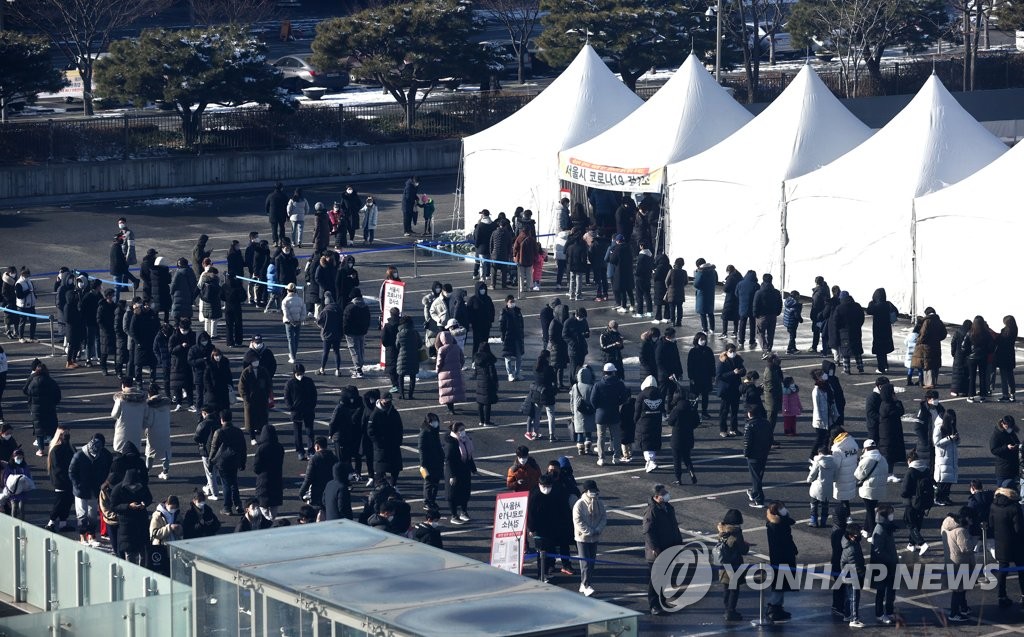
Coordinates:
233 12
519 17
82 29
752 25
973 17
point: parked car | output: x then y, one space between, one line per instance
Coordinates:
299 73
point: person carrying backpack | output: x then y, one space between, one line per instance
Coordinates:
919 496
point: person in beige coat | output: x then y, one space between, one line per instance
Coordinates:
959 550
589 517
165 524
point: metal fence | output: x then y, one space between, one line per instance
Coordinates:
139 135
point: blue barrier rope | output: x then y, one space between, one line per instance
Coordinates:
465 256
124 285
19 313
273 285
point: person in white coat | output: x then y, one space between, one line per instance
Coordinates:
158 430
821 478
129 413
297 209
589 519
369 212
824 413
946 471
871 474
844 450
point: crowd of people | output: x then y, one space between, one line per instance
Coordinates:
584 378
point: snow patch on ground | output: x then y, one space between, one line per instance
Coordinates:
169 201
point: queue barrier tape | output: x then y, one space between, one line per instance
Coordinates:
20 313
465 256
124 285
268 283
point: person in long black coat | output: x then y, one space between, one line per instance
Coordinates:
485 363
407 362
160 284
682 421
431 458
105 313
389 341
129 500
367 406
481 315
180 344
576 331
621 257
144 327
782 552
728 376
217 381
385 430
960 347
344 430
1007 526
730 302
890 427
700 369
661 532
268 465
459 467
881 312
1004 445
670 365
871 409
43 397
549 521
849 319
556 343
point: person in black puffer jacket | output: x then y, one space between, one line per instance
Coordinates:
662 266
58 465
431 459
337 494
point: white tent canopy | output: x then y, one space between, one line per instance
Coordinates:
968 238
515 162
740 179
689 114
852 221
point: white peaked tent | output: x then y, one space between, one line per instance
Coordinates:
968 242
852 221
515 162
740 179
689 114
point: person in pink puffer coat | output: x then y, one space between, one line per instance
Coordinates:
450 387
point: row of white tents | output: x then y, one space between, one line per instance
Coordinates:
926 207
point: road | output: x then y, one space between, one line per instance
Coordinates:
82 239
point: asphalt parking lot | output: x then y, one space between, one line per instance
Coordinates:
79 237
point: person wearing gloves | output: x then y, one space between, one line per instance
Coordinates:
589 519
821 478
871 473
844 450
661 532
648 414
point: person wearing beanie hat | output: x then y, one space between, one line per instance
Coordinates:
733 547
589 519
608 395
355 324
871 474
300 396
89 468
321 228
661 532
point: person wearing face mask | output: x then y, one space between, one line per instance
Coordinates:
258 350
481 315
524 473
228 455
871 475
883 553
351 203
129 413
74 323
7 442
252 519
700 369
426 531
165 525
824 412
459 469
300 396
17 483
576 331
661 532
890 431
384 427
217 381
199 520
929 415
268 464
670 365
105 331
130 499
369 212
158 430
337 493
648 414
549 522
256 389
58 465
513 337
729 375
431 459
852 560
180 343
782 554
589 519
145 327
410 199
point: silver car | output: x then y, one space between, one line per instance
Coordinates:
299 73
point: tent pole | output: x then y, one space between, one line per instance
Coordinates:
913 258
661 222
457 206
783 236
